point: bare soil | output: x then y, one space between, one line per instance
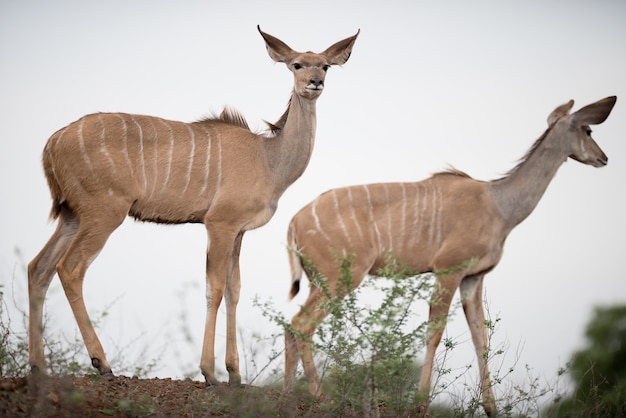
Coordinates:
92 396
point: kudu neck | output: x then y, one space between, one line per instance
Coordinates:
289 152
518 193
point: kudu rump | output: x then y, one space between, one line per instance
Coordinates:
436 225
106 166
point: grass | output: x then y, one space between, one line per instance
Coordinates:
368 355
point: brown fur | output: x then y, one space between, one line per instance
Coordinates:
448 224
107 166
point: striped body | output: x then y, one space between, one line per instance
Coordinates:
412 221
448 224
106 166
165 171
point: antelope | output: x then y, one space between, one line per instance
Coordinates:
449 224
215 171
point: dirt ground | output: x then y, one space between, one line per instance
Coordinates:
89 396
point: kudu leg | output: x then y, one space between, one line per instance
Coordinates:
221 268
231 298
291 360
472 300
437 317
310 316
298 344
41 270
214 294
92 234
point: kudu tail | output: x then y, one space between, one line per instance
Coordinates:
55 188
295 262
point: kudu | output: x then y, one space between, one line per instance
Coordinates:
215 171
436 225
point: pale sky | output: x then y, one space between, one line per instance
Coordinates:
428 84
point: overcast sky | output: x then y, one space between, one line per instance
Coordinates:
428 84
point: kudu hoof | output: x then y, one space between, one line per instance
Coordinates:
108 376
36 371
234 380
211 383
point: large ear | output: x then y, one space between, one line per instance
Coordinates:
595 113
339 52
559 112
278 50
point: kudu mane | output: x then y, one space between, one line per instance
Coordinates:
526 156
228 116
232 116
451 171
275 128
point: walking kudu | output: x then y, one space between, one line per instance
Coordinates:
436 225
104 167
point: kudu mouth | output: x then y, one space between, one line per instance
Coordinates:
315 86
313 91
600 161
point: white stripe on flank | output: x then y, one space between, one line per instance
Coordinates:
205 182
423 212
125 149
50 149
103 146
170 153
155 157
388 210
372 219
433 215
317 219
56 138
81 144
417 220
340 218
192 153
439 215
218 182
354 217
142 161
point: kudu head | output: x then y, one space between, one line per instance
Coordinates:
309 68
575 131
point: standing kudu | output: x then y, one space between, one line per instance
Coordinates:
104 167
436 225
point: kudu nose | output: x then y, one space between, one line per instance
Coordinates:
317 82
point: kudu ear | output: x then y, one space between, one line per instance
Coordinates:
278 50
595 113
339 52
559 112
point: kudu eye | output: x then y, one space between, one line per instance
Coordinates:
297 66
588 131
326 67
